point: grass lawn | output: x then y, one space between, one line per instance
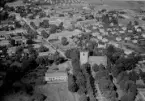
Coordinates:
57 92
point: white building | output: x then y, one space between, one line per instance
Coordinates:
84 57
56 77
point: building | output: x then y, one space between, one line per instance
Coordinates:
66 34
98 60
56 77
84 57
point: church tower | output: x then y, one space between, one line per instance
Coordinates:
84 55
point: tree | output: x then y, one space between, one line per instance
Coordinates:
129 26
121 76
101 74
44 34
64 41
76 66
90 45
44 24
72 54
61 26
95 68
133 76
72 86
89 87
33 25
12 42
83 97
29 41
104 84
17 24
122 84
80 79
110 51
43 49
136 22
127 63
133 88
32 53
39 97
124 98
19 50
81 90
128 84
131 96
67 53
53 29
86 69
115 71
101 67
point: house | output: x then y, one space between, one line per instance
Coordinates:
143 35
56 77
98 60
118 39
128 51
43 53
4 43
96 34
135 41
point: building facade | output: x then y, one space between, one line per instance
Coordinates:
84 57
56 77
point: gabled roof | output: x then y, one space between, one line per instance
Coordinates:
98 60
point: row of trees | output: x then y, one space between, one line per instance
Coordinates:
81 81
123 70
104 80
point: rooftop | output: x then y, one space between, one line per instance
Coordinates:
98 60
55 74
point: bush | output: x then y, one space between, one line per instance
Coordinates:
33 25
43 49
29 41
44 24
44 34
83 97
95 68
53 29
64 41
72 86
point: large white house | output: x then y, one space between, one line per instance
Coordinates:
56 77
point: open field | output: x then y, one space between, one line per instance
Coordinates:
57 92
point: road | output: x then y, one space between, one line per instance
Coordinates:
49 45
100 97
46 42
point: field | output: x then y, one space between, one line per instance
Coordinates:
57 92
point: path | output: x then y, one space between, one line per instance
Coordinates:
100 97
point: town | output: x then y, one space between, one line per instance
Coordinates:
72 50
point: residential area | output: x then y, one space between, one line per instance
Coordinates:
72 50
